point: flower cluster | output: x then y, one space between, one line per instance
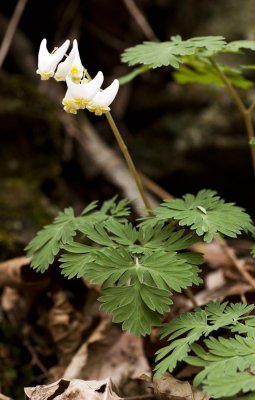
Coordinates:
81 92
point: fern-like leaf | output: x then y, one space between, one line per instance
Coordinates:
197 70
171 53
237 45
223 357
231 384
52 238
207 214
47 243
136 306
194 325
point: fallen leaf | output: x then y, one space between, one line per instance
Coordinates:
169 388
75 389
3 397
110 352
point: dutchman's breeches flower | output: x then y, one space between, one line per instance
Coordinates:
100 103
81 92
47 62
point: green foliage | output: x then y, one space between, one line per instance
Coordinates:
195 70
51 239
227 365
137 305
191 58
195 325
138 267
253 250
171 53
206 213
47 243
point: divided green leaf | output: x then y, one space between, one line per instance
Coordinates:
207 214
229 358
196 325
191 58
136 306
200 70
47 243
171 53
50 240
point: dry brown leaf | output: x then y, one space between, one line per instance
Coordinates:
17 273
65 324
3 397
213 255
109 352
169 388
75 389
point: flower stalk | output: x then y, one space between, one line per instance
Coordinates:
129 161
245 112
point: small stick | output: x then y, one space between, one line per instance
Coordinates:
11 29
236 262
155 188
140 19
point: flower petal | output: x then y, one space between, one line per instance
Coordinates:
77 69
84 92
64 67
100 103
69 103
47 62
43 54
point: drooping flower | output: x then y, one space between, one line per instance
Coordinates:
47 62
64 67
82 93
100 103
69 103
77 69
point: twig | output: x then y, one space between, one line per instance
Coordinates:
7 40
236 262
155 188
140 19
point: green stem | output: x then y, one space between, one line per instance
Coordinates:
128 159
245 112
125 152
232 92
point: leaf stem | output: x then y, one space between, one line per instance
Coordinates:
232 92
245 112
129 160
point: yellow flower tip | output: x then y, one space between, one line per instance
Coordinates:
44 75
97 109
69 106
81 103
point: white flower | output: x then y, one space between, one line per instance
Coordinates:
47 62
77 69
69 103
100 103
83 93
65 66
